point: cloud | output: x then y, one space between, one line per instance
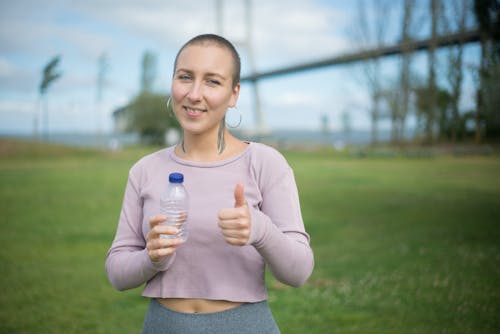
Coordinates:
286 32
15 78
18 36
48 27
283 31
17 107
167 22
89 44
297 99
6 68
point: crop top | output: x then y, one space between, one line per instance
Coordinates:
205 266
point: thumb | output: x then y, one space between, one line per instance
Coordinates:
239 196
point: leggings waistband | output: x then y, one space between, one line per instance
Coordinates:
246 318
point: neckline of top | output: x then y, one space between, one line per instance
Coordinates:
210 163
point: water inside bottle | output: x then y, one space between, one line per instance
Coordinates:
177 219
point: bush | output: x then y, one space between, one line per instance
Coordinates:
148 115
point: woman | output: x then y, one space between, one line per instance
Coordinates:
244 212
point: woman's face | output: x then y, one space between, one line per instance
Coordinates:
202 87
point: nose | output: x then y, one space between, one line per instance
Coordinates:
195 93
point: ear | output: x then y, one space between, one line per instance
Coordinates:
234 96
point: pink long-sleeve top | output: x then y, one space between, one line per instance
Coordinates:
205 266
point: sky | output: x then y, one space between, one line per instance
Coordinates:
284 32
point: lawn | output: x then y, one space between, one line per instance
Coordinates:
402 244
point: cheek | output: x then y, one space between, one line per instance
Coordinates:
218 101
177 93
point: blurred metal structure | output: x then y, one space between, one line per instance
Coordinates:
102 70
260 128
259 117
471 36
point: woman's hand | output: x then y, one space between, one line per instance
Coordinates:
159 248
235 222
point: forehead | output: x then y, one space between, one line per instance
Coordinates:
206 57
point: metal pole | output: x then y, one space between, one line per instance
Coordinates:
45 102
259 117
219 7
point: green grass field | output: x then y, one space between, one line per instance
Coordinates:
402 245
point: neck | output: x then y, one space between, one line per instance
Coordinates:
204 147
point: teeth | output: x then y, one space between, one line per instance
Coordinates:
193 111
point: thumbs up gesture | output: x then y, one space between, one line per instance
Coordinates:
235 222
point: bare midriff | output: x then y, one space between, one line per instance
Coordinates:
187 305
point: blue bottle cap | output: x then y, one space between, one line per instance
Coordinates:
176 178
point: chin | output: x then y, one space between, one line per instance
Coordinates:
192 129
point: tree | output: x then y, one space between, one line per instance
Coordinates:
487 13
458 22
148 115
426 116
436 108
370 31
49 75
400 112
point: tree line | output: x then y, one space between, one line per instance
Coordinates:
434 99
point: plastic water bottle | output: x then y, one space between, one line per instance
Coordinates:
174 204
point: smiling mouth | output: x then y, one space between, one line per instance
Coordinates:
194 112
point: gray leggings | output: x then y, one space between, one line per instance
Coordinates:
246 318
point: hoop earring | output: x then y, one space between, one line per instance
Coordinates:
170 112
239 121
170 109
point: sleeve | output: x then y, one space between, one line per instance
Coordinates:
127 262
278 233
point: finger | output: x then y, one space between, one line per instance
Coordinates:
239 196
236 234
155 220
163 243
157 254
228 214
158 230
233 224
166 229
232 213
236 241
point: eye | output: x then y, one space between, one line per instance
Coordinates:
214 82
184 77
